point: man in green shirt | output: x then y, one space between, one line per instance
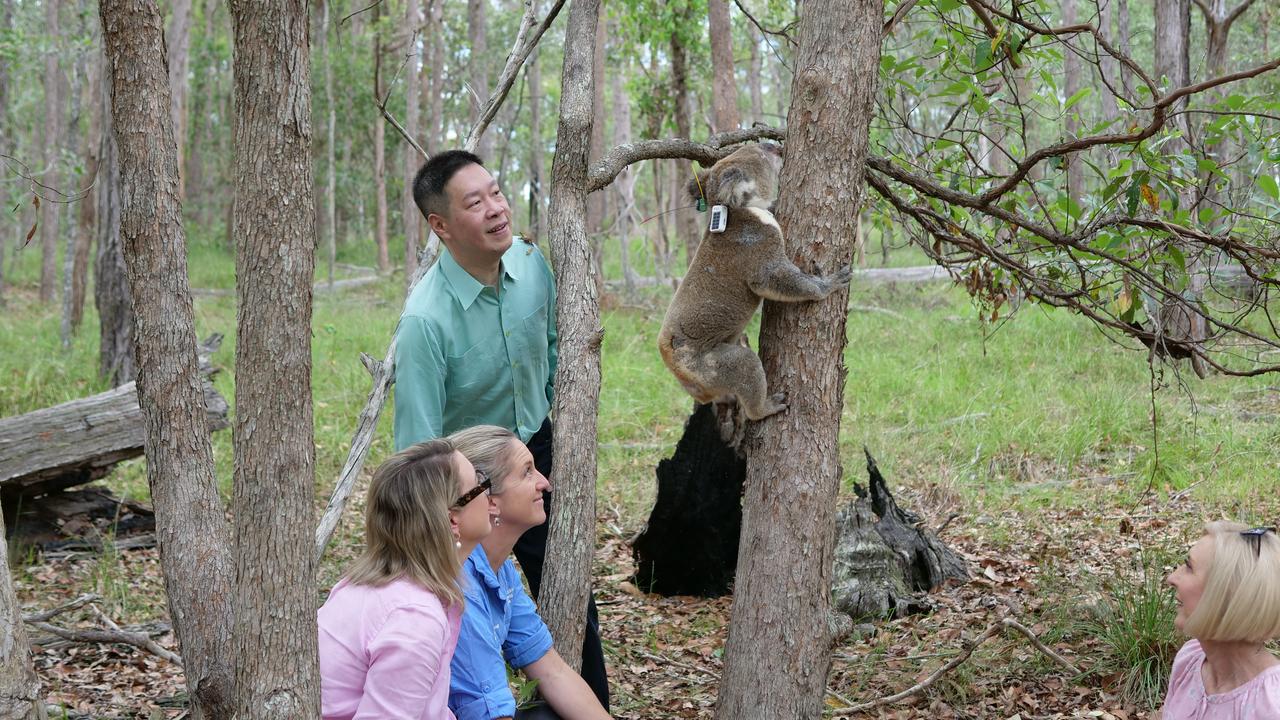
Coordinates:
477 341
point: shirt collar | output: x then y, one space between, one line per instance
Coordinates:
465 287
481 569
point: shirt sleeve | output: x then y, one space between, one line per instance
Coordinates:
553 349
478 688
528 639
404 662
420 376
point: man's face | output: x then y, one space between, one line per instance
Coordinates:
479 220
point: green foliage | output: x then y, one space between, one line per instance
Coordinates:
1134 627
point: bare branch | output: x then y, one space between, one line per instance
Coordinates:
110 637
779 33
903 8
65 607
716 147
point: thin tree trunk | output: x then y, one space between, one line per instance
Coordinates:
6 132
277 675
537 169
19 687
1074 162
724 86
111 293
779 647
190 523
50 210
571 542
331 178
626 181
86 207
72 231
178 44
379 150
595 201
477 33
1108 65
411 159
686 219
1123 42
435 113
429 42
755 74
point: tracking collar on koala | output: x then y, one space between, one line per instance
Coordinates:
719 219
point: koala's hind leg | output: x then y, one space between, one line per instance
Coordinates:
731 369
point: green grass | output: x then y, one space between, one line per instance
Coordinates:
1017 414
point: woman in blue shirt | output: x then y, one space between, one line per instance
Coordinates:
500 624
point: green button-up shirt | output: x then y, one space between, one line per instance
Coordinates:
469 355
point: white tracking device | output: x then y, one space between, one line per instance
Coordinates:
719 218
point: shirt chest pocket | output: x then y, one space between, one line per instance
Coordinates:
535 324
474 366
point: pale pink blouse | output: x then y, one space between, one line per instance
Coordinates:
1258 699
385 652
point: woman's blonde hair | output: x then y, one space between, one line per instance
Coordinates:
1241 596
488 447
406 522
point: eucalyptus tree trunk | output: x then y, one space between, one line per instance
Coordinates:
178 44
50 211
411 159
86 207
571 539
478 34
686 220
1108 65
191 527
1123 42
626 219
277 676
1172 62
596 200
754 75
111 293
1075 164
6 133
537 165
435 101
19 687
781 631
724 86
331 171
379 151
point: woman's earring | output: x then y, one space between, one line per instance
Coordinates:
497 520
457 544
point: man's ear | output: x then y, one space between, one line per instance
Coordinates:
438 225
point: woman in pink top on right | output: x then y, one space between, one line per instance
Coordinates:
1228 594
389 627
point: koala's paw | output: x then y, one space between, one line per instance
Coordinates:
842 276
775 404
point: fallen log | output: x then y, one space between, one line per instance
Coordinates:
81 440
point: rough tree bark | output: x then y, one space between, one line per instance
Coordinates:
191 527
411 159
6 135
1107 65
686 219
537 169
626 217
571 543
111 281
178 44
778 651
724 86
596 200
277 675
19 687
331 171
50 211
86 208
379 150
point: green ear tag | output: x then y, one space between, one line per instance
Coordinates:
702 204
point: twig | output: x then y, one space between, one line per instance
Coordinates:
66 607
898 14
780 33
966 650
708 153
109 637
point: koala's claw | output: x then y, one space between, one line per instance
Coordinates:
843 275
775 404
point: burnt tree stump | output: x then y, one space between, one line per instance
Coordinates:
885 557
690 544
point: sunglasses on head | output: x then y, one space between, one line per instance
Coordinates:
1254 537
481 487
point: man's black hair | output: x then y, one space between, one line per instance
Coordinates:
428 185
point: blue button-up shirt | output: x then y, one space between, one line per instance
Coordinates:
469 354
500 626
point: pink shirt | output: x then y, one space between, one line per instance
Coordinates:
385 652
1258 699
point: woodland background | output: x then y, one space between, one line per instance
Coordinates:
1067 470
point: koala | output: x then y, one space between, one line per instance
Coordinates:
731 273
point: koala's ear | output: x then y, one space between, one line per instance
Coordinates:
698 185
734 187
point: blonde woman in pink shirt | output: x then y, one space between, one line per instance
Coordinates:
389 627
1228 595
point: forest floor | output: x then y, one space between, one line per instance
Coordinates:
1031 439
